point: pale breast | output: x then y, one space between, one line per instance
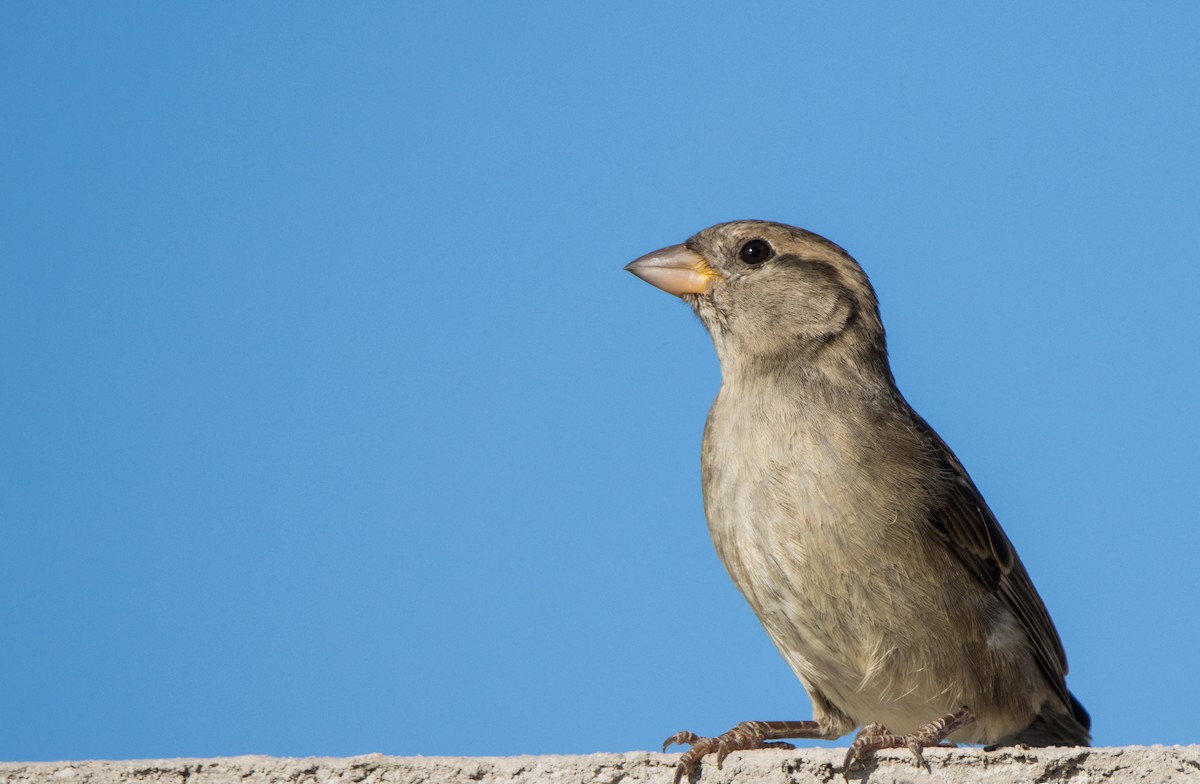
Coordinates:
820 528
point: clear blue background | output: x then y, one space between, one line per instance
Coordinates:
330 423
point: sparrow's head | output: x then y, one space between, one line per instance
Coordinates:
772 295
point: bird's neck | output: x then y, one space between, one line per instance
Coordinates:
813 370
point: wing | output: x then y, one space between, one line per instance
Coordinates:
972 533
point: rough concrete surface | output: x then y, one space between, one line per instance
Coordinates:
1148 764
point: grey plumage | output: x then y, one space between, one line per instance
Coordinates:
850 527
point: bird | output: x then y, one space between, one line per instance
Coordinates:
850 527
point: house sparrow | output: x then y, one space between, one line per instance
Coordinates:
850 527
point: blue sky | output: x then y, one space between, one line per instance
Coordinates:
332 425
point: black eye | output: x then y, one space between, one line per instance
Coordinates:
755 252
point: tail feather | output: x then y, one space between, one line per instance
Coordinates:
1056 727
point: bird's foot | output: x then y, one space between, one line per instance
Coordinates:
744 737
873 737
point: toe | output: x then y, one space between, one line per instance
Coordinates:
682 738
723 751
916 747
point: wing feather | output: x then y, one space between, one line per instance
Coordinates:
973 534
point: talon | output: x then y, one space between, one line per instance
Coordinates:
683 738
744 737
873 737
914 745
723 752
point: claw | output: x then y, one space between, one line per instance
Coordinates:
680 739
862 747
687 763
875 736
915 747
722 752
744 737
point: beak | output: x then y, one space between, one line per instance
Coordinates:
676 270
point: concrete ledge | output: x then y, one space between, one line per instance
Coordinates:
1141 764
